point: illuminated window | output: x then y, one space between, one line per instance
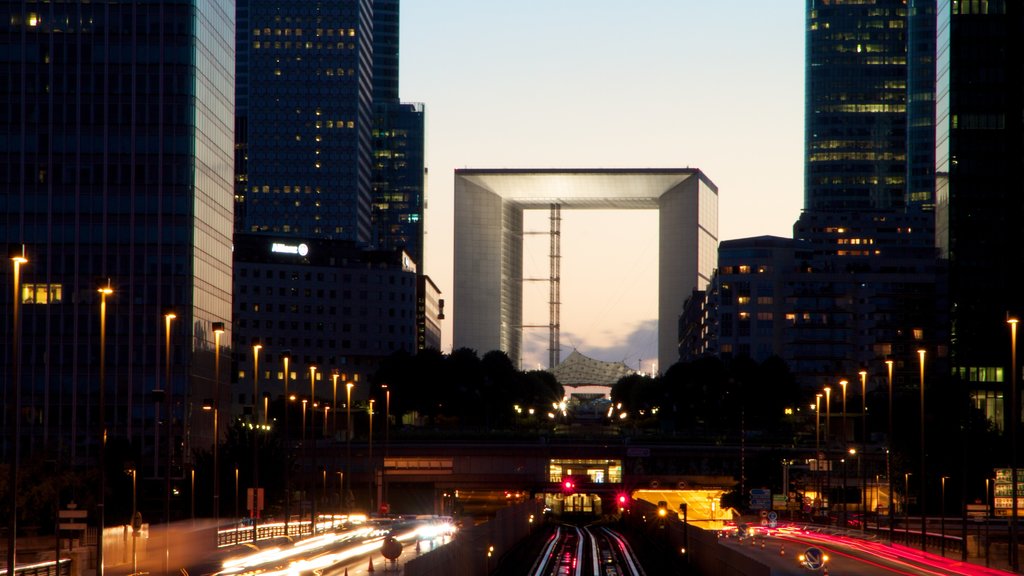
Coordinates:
743 299
765 300
744 269
764 316
41 293
918 334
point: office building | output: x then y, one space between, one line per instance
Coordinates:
979 203
329 303
920 177
304 114
116 119
855 107
399 169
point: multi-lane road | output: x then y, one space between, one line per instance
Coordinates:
785 552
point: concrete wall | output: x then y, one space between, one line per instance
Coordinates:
467 555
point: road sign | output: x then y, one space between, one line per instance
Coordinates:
72 513
773 516
71 526
813 559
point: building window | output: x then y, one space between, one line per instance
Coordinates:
41 293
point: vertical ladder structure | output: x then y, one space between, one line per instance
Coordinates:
555 287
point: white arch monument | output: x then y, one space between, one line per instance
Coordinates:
489 204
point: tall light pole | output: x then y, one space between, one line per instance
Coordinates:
906 508
218 330
372 467
253 427
924 511
334 401
828 452
168 317
286 357
942 521
17 259
100 505
861 463
312 442
817 445
888 455
348 440
843 384
387 440
1014 420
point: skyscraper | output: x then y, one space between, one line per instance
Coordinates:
855 108
304 118
116 167
980 192
399 168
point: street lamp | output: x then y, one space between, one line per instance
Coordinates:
100 505
1014 420
17 259
888 455
863 447
334 402
218 330
387 436
168 317
842 384
372 467
817 445
253 428
312 453
348 438
942 521
828 452
286 357
906 507
924 511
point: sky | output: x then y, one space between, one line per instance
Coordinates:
715 85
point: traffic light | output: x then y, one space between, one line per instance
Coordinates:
568 485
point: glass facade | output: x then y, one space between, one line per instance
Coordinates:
398 168
115 120
921 105
304 114
979 160
855 107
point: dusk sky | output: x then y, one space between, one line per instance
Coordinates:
599 84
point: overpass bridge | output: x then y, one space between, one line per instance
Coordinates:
577 475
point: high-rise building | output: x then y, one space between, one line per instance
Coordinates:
979 204
855 108
303 154
116 119
921 105
399 168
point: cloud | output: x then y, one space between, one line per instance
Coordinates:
636 346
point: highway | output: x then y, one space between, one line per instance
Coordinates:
781 550
347 551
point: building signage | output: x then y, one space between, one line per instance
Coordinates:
282 248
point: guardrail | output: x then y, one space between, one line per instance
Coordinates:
60 568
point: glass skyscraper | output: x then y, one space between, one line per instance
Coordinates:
115 124
855 108
979 195
304 113
398 145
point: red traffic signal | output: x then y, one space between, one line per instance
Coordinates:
568 485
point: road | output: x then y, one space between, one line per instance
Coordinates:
781 550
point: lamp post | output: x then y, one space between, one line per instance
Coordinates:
817 445
387 441
348 440
312 453
17 259
863 448
286 357
828 452
924 511
100 505
942 520
334 402
372 467
906 507
842 439
888 456
168 317
1014 420
218 330
253 428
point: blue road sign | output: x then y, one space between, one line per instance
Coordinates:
814 559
